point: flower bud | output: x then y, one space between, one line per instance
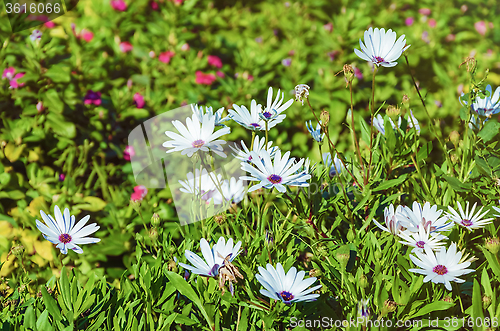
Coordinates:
389 307
348 73
447 298
406 101
351 235
155 220
39 106
393 112
269 238
324 117
486 301
363 281
454 137
18 251
138 237
315 272
153 234
378 254
493 245
172 266
220 219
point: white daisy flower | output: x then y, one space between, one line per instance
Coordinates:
275 108
381 48
36 34
301 92
487 106
232 190
64 233
378 123
392 224
258 147
421 239
467 219
443 267
427 216
207 187
315 133
279 174
251 119
198 111
306 167
411 120
198 135
336 168
210 267
289 287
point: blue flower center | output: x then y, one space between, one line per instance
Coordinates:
65 238
198 143
267 114
420 244
286 296
440 269
255 125
275 179
466 223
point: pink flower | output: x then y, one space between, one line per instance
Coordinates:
129 83
152 54
154 5
125 46
480 27
204 79
215 61
221 74
39 106
128 153
62 177
9 73
119 5
358 73
328 27
464 8
87 35
424 11
409 21
49 25
166 56
432 23
92 98
185 47
139 100
250 77
13 81
140 191
332 55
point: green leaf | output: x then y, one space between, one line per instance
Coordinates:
390 136
489 131
59 73
51 305
185 289
92 204
29 317
477 302
492 261
60 127
391 183
43 321
52 101
457 185
434 306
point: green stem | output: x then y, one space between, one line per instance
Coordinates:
356 144
267 139
372 110
253 138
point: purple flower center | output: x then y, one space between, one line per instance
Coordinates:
466 223
420 244
379 59
255 125
267 114
91 95
198 143
65 238
275 179
287 296
440 269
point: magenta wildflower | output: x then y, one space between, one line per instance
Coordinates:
126 47
119 5
140 191
214 61
92 98
128 153
139 100
204 79
166 56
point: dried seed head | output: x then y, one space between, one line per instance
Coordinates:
324 118
155 220
454 137
220 219
470 62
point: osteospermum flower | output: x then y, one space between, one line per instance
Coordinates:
421 239
392 224
411 122
427 216
232 191
378 123
203 185
64 233
213 261
443 267
275 108
315 133
381 47
251 119
258 146
290 287
467 219
278 174
35 35
198 111
336 168
487 106
196 136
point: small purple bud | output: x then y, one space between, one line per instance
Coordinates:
61 177
286 62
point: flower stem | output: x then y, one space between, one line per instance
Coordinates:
253 138
356 144
372 111
267 130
